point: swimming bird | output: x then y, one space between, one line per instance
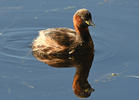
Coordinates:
66 47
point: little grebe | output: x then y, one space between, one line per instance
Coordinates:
65 47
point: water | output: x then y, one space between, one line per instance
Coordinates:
114 73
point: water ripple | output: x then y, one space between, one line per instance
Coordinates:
104 50
16 43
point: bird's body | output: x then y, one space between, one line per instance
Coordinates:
59 47
65 47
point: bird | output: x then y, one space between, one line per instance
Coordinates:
65 47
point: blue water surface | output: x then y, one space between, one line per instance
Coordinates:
114 73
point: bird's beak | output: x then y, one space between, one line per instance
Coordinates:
90 23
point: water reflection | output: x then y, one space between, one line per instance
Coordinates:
64 47
78 61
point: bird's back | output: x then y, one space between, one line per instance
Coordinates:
54 44
54 38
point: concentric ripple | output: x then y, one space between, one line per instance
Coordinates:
104 50
16 44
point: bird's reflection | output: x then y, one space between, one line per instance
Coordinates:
81 61
64 47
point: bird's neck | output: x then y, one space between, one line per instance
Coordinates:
82 33
80 77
